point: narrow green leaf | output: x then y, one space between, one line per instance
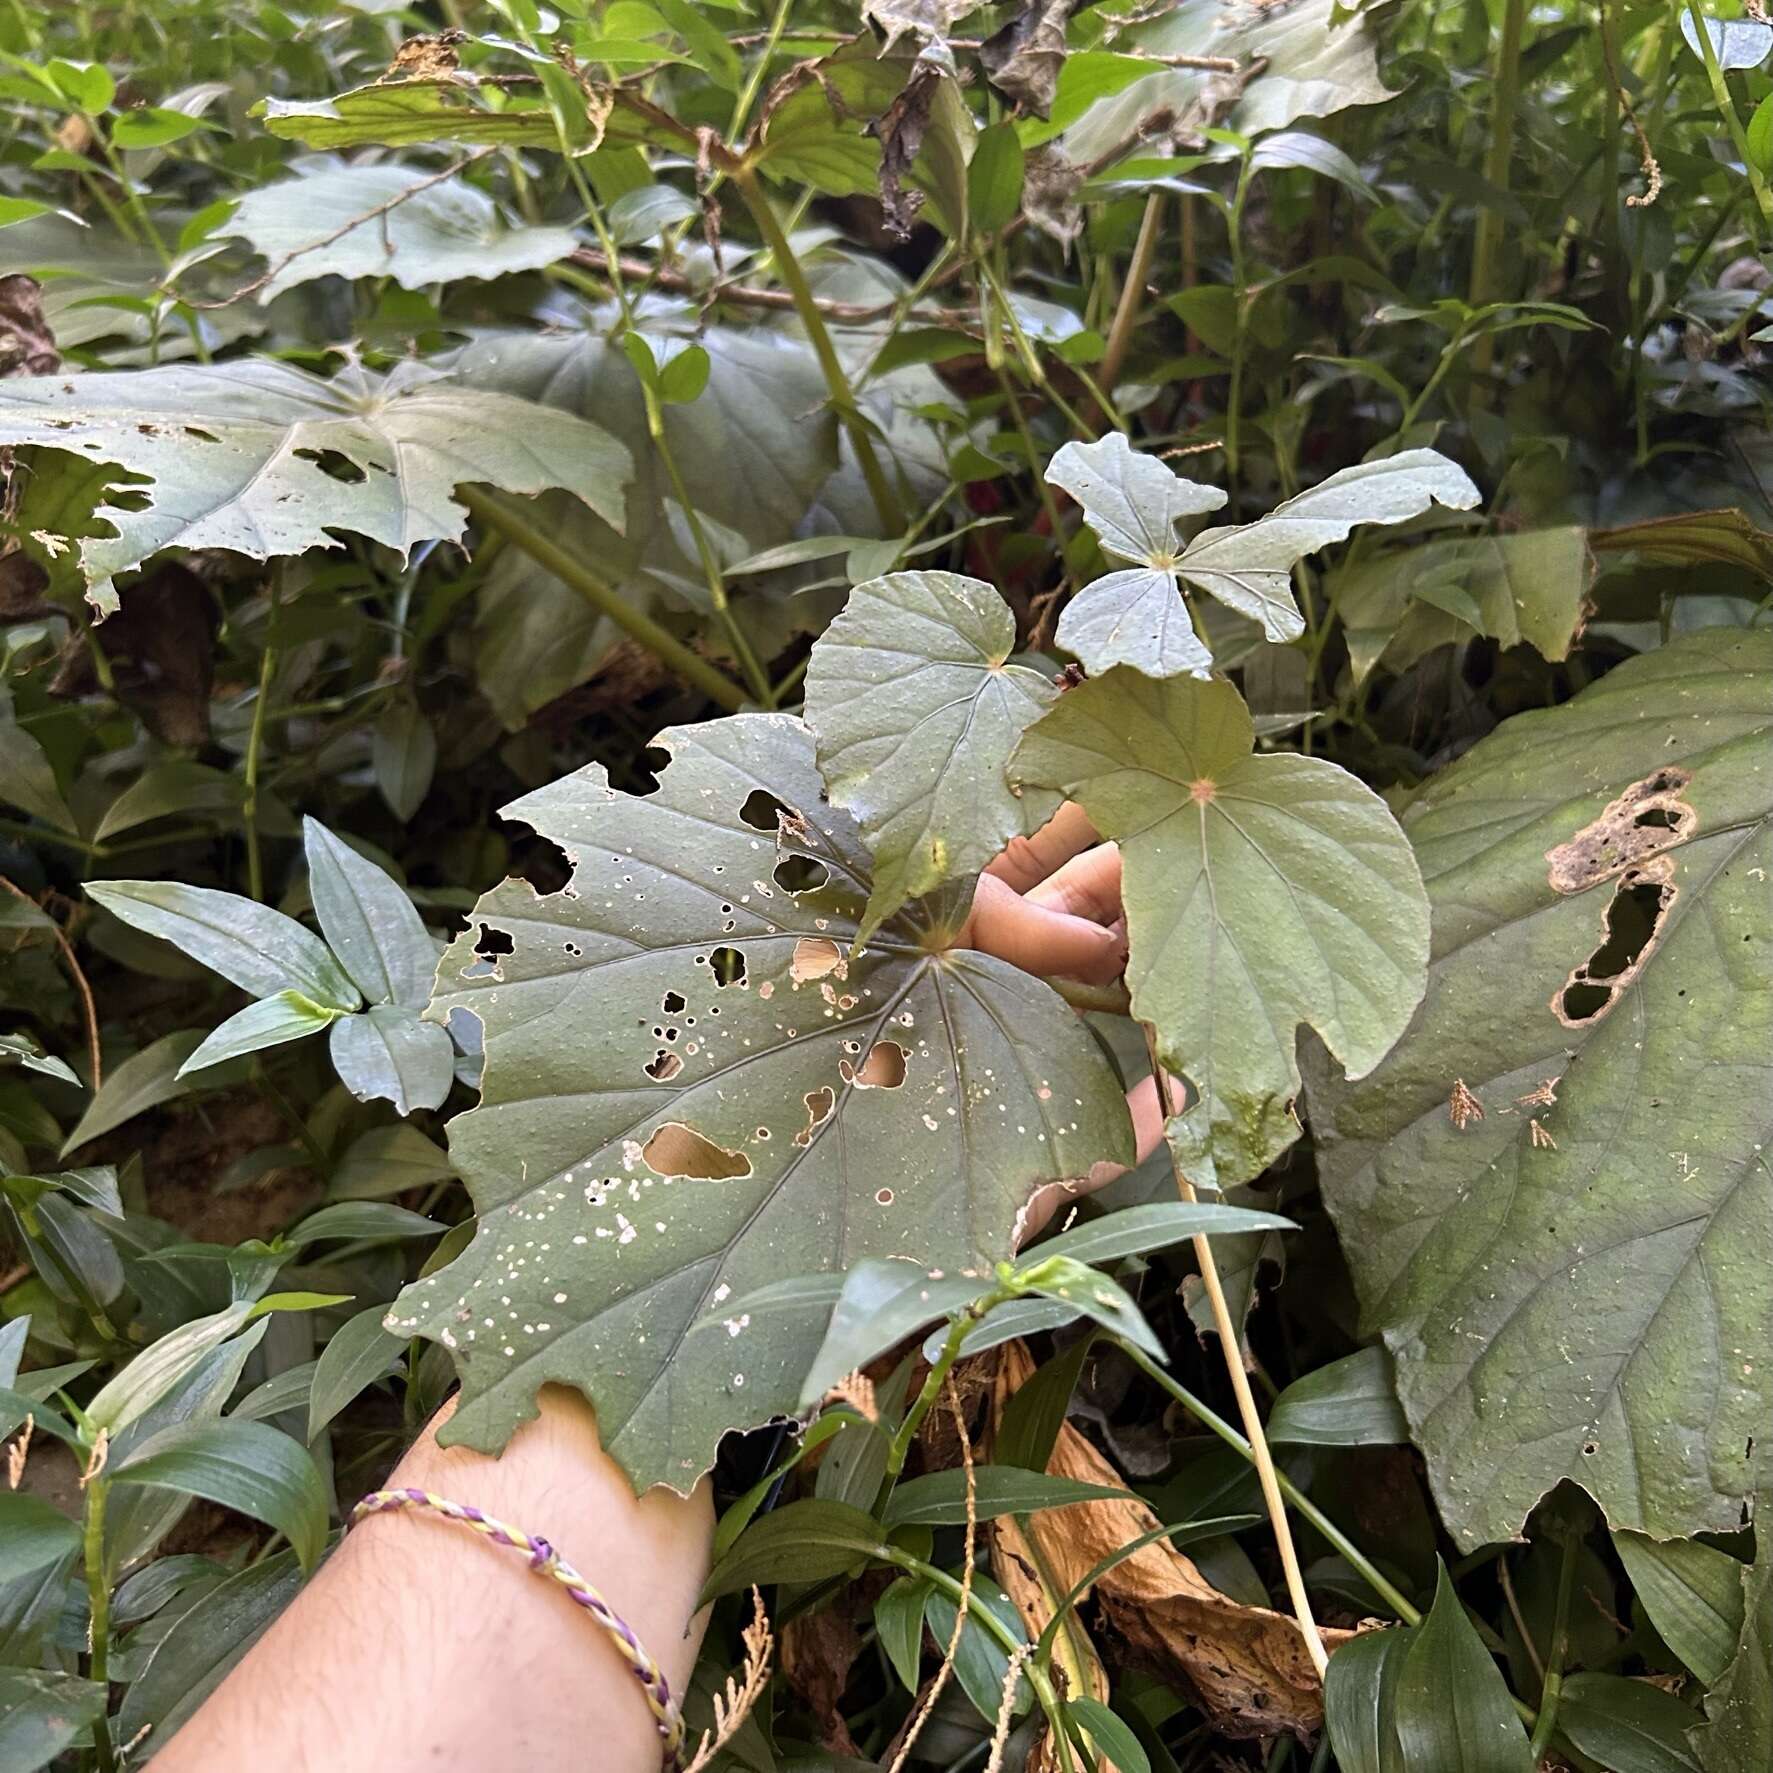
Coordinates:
1109 1734
804 1542
246 1466
939 1499
1693 1594
42 1713
360 1220
403 754
1360 1688
357 1354
994 179
1627 1726
271 1022
879 1304
388 1161
250 945
898 1619
1453 1709
981 1664
1028 1429
368 921
1349 1403
33 1535
388 1053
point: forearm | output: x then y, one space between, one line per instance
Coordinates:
421 1645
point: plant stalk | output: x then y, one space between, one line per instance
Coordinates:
1231 1346
492 512
1553 1689
1720 92
1486 246
255 745
1132 293
788 268
98 1601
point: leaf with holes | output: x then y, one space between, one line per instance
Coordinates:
411 226
915 707
264 459
1134 616
1260 892
689 1088
1570 1270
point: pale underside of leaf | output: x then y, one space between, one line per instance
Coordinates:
915 709
1132 501
1576 1285
443 231
264 459
1261 893
653 1142
1134 617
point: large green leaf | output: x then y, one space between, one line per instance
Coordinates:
264 459
405 113
1135 616
755 449
1261 892
688 1088
1574 1285
915 707
444 231
1452 1709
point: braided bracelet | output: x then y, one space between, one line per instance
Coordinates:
546 1561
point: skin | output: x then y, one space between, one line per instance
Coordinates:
419 1647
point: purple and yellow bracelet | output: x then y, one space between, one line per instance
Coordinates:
546 1561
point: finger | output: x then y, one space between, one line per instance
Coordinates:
1026 861
1039 939
1086 886
1148 1133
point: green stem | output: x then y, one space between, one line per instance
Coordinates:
1555 1655
493 513
1108 1000
932 1384
1398 1603
255 742
1486 246
755 675
1239 315
1132 292
1720 92
788 268
98 1600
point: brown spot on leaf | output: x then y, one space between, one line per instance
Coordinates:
814 957
1631 927
1646 819
679 1150
883 1069
819 1104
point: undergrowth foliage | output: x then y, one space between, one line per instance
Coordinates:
553 545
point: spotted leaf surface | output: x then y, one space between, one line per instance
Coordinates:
691 1091
264 459
1555 1194
1261 893
915 707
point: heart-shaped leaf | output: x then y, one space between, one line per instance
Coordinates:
1261 892
689 1085
1565 1157
915 707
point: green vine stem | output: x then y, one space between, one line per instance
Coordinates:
788 268
494 513
1559 1648
255 746
98 1601
1132 293
713 576
1239 321
1369 1573
1231 1346
1486 245
1720 92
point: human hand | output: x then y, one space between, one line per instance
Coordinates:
1051 905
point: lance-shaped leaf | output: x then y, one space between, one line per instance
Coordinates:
1134 617
1554 1195
691 1090
265 459
915 707
1261 892
412 227
1249 566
